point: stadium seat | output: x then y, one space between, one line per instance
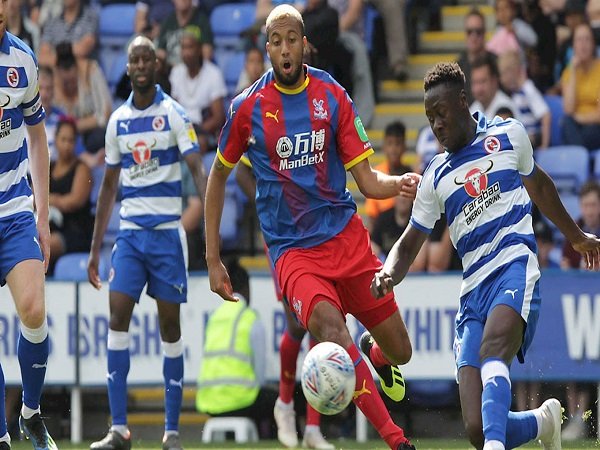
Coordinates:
555 103
571 202
97 175
73 267
370 15
243 428
118 67
116 23
596 164
567 165
232 69
229 20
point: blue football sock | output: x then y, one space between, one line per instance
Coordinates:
3 426
118 369
521 428
32 350
495 399
173 375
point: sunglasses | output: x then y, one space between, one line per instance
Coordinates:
477 31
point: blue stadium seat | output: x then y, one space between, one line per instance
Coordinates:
97 175
567 165
73 267
370 15
571 202
116 24
555 103
118 67
229 20
596 164
231 72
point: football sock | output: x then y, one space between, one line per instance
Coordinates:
122 430
367 399
495 400
3 426
313 417
288 355
32 350
521 428
173 374
118 368
377 357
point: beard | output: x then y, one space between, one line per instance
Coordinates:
288 80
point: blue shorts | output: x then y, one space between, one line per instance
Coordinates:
515 284
156 257
18 242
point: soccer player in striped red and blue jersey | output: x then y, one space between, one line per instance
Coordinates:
24 241
146 138
484 183
301 132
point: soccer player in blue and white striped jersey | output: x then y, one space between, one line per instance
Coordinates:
24 241
484 182
145 139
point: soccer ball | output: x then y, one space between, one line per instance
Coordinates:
328 378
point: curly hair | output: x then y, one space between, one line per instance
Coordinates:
444 73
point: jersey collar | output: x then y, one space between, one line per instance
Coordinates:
158 97
481 122
295 90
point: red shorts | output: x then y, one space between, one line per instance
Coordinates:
339 271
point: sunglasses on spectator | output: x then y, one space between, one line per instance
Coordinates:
477 31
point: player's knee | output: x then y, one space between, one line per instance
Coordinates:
118 322
32 313
498 347
402 353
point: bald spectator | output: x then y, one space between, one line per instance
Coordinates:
78 25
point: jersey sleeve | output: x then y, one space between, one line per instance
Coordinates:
352 139
426 209
182 127
522 146
33 112
233 140
111 144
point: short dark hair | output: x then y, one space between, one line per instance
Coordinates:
589 186
65 59
474 11
396 129
444 73
489 61
240 280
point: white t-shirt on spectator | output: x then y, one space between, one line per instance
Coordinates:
197 93
532 106
500 100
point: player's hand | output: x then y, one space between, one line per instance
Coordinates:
220 282
92 270
43 229
382 284
589 247
408 185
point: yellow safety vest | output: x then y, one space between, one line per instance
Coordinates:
227 381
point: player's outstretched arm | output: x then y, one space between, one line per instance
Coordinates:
213 210
106 202
400 258
543 192
40 175
375 184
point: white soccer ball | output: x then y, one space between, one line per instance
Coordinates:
328 378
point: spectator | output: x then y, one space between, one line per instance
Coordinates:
199 87
53 114
254 67
82 92
486 91
394 24
589 204
545 245
532 108
21 26
78 25
541 58
394 147
232 375
574 16
149 14
511 33
427 147
169 39
475 47
351 20
592 11
70 186
580 86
